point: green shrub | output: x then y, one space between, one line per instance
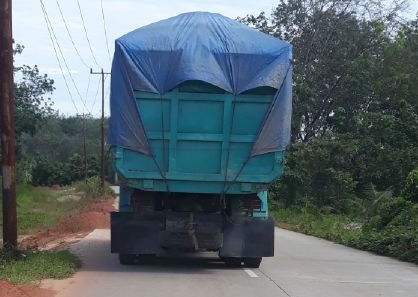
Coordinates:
392 232
92 187
24 171
386 213
410 191
47 173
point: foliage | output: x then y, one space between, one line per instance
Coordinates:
53 155
92 187
393 232
24 170
59 138
337 49
319 173
35 266
355 114
47 173
410 191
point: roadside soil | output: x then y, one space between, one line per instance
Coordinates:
68 230
7 289
72 228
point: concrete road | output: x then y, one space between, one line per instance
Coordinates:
304 266
115 189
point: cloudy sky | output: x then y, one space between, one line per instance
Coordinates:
88 47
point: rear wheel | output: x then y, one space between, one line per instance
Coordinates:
127 259
233 262
252 262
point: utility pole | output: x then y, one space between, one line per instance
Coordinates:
7 127
84 148
102 129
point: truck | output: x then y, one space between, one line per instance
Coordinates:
200 111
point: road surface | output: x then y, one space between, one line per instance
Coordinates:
304 266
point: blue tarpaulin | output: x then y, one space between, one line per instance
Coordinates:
199 46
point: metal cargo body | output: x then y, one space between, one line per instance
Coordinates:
201 138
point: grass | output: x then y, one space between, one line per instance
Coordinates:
394 235
333 227
39 209
34 266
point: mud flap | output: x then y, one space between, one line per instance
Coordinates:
248 237
131 233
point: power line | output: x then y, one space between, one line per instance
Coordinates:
87 36
62 55
95 97
70 36
105 31
56 54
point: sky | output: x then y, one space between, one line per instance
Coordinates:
88 46
121 17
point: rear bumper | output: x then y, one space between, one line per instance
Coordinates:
132 233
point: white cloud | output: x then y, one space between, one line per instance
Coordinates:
57 71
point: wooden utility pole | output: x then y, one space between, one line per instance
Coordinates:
102 129
84 148
7 127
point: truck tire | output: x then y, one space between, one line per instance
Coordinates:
252 262
233 262
127 259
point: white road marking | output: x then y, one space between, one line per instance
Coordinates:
250 273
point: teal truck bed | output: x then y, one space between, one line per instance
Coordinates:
201 138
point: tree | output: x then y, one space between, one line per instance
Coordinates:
31 105
337 45
54 153
355 108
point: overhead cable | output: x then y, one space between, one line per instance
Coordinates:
45 14
87 36
60 51
70 36
105 31
87 92
97 93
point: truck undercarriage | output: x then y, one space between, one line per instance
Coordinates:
155 224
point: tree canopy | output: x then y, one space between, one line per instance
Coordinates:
355 100
31 103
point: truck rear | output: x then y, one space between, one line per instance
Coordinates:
200 118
